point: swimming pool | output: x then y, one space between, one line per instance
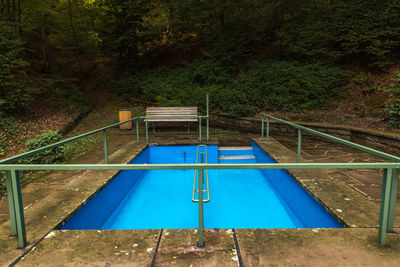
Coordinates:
156 199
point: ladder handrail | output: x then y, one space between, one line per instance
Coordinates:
195 177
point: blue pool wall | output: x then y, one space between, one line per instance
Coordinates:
296 198
300 201
111 194
175 155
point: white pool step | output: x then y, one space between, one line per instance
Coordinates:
235 148
236 157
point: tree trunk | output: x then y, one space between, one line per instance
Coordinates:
71 24
2 8
44 51
19 18
8 9
13 11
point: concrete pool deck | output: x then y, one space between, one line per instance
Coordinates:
351 195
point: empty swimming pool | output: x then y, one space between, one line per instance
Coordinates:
155 199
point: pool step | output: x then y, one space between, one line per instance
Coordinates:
236 154
236 157
235 151
225 148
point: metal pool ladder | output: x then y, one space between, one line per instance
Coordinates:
195 176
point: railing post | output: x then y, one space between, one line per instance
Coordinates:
393 197
105 146
267 129
200 129
147 131
298 145
19 208
262 126
200 243
208 117
11 206
137 131
207 130
385 200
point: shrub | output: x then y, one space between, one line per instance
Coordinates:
283 85
392 110
2 183
392 107
358 29
64 92
9 126
13 91
290 85
49 156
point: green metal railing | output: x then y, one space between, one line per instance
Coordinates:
72 139
195 176
327 136
13 186
390 175
389 188
18 224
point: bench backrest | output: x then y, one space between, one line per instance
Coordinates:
171 111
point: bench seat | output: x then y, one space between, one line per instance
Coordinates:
171 111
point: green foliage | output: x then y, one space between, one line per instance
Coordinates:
3 147
368 30
60 34
81 147
10 126
285 85
2 183
47 157
125 85
291 86
64 92
392 107
13 91
392 110
125 27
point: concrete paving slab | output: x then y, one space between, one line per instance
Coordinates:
317 247
178 248
94 248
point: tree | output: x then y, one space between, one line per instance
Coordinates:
13 90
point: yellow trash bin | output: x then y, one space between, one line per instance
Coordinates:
124 115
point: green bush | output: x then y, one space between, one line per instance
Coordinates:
290 85
9 126
2 183
366 30
13 91
281 85
63 92
49 156
392 107
392 110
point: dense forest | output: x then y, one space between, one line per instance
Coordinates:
250 55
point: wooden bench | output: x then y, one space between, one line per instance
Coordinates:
171 111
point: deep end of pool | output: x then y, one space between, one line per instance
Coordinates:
162 199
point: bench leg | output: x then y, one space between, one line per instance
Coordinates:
153 127
188 127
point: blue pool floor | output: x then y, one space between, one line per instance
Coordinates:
239 199
156 199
